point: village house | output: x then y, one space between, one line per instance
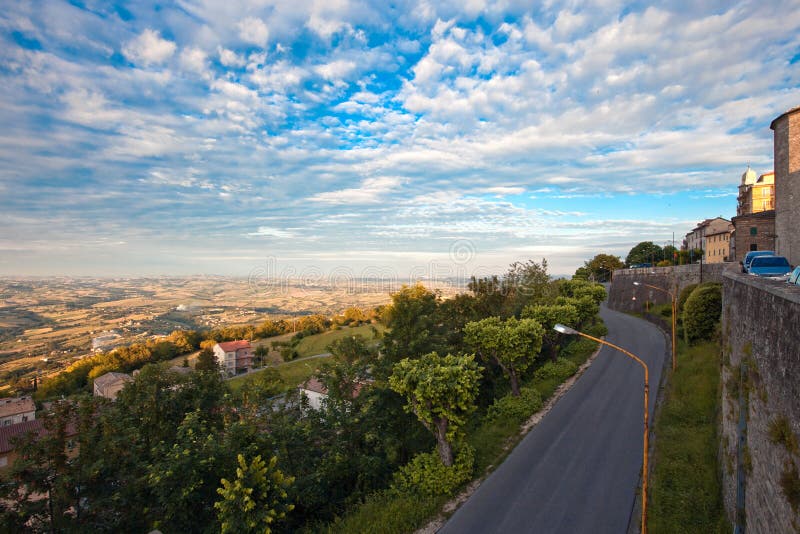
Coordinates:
8 450
234 357
316 392
110 384
698 237
16 410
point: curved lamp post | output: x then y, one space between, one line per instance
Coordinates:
674 315
572 332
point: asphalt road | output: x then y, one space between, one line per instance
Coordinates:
578 469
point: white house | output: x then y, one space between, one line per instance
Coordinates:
16 410
234 357
315 391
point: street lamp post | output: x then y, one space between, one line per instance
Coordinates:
571 331
674 315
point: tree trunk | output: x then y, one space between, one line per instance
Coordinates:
514 383
442 445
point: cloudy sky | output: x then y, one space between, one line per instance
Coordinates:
318 136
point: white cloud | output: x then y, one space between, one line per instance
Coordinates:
370 191
194 59
268 231
229 58
148 49
336 70
505 190
253 30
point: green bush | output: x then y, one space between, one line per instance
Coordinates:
702 312
426 474
559 370
516 409
597 330
684 294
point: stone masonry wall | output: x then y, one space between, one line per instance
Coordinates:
622 290
760 327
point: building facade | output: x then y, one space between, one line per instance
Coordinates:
718 245
755 231
698 237
110 384
786 130
16 410
234 357
756 193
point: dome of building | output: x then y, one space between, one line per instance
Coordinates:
749 176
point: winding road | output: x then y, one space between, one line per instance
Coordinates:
578 469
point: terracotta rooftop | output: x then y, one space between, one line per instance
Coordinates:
7 433
15 405
107 379
230 346
20 429
313 384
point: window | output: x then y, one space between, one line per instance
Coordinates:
753 230
767 191
754 247
4 461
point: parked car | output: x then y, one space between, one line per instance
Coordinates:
794 277
754 254
770 266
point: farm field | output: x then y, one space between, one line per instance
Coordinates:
45 324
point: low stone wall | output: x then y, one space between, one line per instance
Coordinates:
622 290
761 373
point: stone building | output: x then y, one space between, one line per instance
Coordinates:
755 231
786 130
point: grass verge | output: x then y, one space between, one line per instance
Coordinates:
292 373
685 485
318 343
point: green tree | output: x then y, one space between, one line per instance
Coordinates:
255 499
602 266
206 361
526 283
512 344
548 315
411 322
261 352
441 392
644 252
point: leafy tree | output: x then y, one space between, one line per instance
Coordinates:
512 344
526 283
587 307
441 392
489 296
255 499
411 320
601 267
671 254
644 252
260 353
206 361
581 273
548 315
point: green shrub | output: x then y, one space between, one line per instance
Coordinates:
684 294
780 432
597 330
702 312
426 474
559 370
516 409
790 484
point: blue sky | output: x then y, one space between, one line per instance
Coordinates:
319 136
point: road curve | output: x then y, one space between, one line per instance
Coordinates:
578 469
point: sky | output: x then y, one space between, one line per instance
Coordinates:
313 138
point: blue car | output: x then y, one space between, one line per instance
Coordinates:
794 278
754 254
770 266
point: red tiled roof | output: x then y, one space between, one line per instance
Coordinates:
12 431
20 429
316 386
230 346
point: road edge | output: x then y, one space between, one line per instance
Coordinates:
453 504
